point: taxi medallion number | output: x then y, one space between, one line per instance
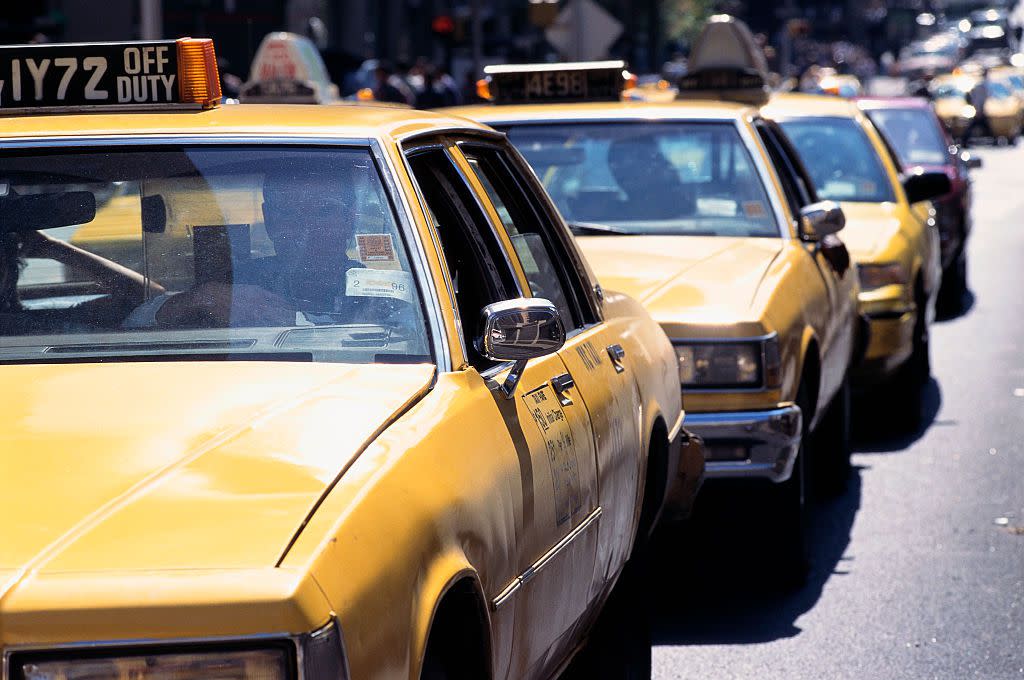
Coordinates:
556 84
42 76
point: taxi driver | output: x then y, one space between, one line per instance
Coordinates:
310 226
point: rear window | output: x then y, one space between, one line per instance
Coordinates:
841 159
267 252
915 135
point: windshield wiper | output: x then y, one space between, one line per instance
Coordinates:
592 229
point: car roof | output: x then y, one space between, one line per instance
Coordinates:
872 103
697 109
359 121
809 105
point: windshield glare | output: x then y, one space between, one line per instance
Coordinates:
914 134
270 252
840 159
651 178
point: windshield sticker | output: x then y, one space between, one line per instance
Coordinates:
754 209
382 283
716 207
375 247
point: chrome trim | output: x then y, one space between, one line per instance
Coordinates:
497 229
770 181
447 281
518 582
407 222
773 436
677 427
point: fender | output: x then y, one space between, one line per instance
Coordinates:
441 576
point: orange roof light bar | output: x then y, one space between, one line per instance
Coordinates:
198 77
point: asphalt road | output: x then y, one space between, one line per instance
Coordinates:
919 568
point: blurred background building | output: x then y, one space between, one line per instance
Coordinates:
461 36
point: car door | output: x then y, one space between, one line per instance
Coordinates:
594 352
555 519
838 341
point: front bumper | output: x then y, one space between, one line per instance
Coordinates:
890 344
750 444
689 476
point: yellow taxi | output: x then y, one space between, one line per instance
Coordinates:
891 233
952 95
355 407
701 210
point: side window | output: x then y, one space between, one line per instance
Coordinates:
790 185
796 182
544 258
477 265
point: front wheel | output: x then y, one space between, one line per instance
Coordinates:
619 646
786 515
831 445
954 285
907 387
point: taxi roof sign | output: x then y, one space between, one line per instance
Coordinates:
127 75
550 83
288 69
726 63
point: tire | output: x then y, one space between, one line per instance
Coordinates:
907 386
787 517
831 448
619 646
954 285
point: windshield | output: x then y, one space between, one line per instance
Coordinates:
269 252
840 159
914 134
651 178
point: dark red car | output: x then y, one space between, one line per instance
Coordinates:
917 138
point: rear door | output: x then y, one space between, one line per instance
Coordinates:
546 420
594 353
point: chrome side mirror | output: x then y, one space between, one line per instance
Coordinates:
820 219
519 330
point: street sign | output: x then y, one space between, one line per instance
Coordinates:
584 31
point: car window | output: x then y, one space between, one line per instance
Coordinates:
478 267
651 178
543 258
914 134
841 159
285 252
794 188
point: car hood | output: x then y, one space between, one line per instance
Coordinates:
178 466
870 227
699 279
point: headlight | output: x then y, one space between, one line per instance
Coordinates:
250 664
874 276
728 364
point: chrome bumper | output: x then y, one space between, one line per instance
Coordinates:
767 442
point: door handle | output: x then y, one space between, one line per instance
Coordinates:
617 354
562 384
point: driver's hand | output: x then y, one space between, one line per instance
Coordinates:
221 305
